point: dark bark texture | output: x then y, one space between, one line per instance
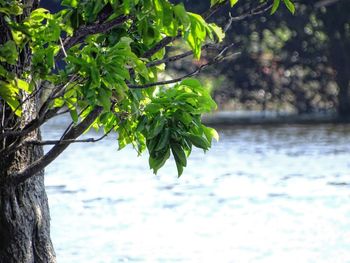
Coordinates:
24 211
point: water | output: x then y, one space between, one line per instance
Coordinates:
262 194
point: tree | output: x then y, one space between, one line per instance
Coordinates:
99 61
337 27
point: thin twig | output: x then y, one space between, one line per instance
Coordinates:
211 11
260 9
31 126
161 44
72 123
38 165
43 116
167 40
63 48
179 56
3 115
216 59
54 93
82 32
55 142
324 3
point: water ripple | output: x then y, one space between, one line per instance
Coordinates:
262 194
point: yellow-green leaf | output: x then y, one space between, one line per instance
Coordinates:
23 85
233 2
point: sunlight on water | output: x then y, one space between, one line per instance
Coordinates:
262 194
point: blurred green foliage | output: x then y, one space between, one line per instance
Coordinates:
298 63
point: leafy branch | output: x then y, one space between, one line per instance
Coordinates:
68 141
213 61
179 56
29 171
85 30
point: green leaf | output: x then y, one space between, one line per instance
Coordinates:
141 124
233 2
184 117
18 37
197 34
180 169
104 98
276 4
199 141
13 103
218 31
179 154
151 144
95 74
74 115
211 133
290 6
214 2
8 52
180 157
157 163
157 126
180 12
58 103
23 85
38 15
3 71
15 9
8 92
164 140
193 83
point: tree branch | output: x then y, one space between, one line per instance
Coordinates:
179 56
211 11
43 116
167 40
56 142
215 60
27 98
82 32
260 9
161 44
31 126
324 3
40 164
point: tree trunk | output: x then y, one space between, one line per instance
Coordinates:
24 211
344 94
335 21
24 214
340 59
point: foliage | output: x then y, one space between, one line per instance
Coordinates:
287 62
96 54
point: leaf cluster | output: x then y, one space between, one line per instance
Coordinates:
93 52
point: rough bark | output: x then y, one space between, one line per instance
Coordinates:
24 211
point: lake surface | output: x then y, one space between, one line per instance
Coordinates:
261 194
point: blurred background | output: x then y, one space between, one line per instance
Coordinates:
288 63
275 188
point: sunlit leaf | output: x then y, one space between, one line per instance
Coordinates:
290 6
276 4
233 2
